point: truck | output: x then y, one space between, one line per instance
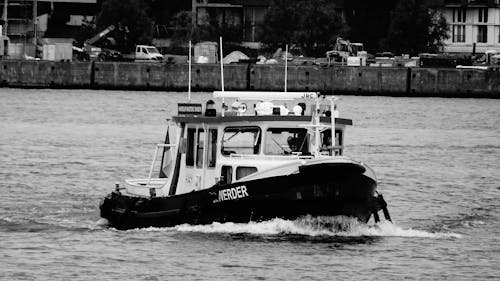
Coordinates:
144 53
92 52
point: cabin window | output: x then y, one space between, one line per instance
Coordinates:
212 148
226 175
190 147
242 171
241 140
326 141
286 141
199 148
166 161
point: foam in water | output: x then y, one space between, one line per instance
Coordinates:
311 226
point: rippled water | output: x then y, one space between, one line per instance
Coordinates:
61 151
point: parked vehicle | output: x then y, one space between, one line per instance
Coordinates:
144 53
344 49
92 52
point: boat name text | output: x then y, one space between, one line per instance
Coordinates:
232 193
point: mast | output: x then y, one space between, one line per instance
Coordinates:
221 65
332 110
286 66
316 130
221 73
35 21
189 75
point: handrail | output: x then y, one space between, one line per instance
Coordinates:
154 159
235 155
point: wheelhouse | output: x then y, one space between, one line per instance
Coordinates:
206 149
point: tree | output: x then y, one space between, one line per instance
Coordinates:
182 27
415 29
368 21
313 25
215 24
320 25
280 22
132 23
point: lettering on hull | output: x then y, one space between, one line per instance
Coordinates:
232 194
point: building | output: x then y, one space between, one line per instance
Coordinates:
25 22
368 19
474 25
248 14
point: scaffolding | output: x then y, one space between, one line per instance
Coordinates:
20 27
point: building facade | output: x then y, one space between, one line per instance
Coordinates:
25 22
474 25
248 14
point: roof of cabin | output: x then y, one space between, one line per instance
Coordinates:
265 118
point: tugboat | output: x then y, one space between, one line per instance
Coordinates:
249 162
268 155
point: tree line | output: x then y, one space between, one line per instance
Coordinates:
409 26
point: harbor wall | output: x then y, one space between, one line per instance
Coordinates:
438 82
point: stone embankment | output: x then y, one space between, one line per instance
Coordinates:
436 82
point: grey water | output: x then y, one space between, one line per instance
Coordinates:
437 162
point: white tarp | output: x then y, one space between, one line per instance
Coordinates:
235 57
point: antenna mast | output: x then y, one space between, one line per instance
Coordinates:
286 66
189 82
221 65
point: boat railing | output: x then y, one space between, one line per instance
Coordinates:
158 146
281 157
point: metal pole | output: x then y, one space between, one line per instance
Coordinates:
221 65
286 66
221 73
152 165
35 14
316 130
189 82
332 109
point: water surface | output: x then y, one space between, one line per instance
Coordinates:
61 151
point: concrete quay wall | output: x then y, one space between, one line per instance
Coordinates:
437 82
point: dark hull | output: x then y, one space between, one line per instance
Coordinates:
289 197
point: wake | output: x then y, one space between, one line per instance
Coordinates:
311 226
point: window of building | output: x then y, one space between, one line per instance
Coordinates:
244 171
199 148
459 15
458 33
286 141
212 148
482 33
190 146
241 140
483 15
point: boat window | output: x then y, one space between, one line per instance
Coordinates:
167 163
241 140
326 141
226 175
244 171
286 141
190 147
212 148
199 148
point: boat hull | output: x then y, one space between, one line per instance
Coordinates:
344 192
